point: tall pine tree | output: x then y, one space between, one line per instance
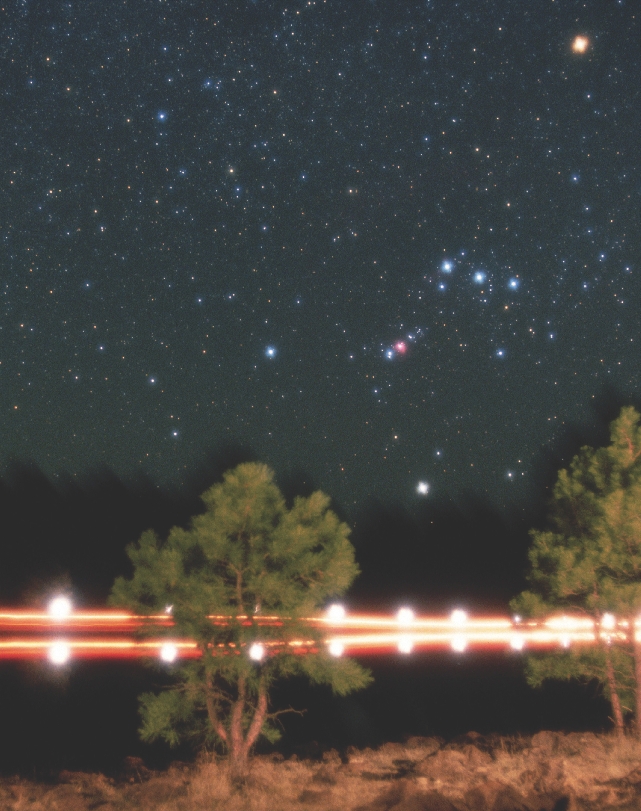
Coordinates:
588 560
247 556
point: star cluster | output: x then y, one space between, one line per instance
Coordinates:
346 235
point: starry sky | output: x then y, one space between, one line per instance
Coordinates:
394 246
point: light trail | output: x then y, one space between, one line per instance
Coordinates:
62 634
41 648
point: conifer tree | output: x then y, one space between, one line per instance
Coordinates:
246 557
589 561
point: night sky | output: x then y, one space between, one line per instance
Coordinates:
384 244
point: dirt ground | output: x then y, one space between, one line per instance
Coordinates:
550 771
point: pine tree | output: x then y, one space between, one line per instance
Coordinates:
246 557
589 561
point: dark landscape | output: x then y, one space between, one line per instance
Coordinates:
70 736
549 771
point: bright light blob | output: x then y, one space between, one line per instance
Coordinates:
59 653
608 622
257 652
458 617
168 652
60 608
336 648
405 644
405 616
336 613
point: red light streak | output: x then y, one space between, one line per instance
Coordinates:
108 634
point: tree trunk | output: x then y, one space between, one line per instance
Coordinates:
614 695
260 713
237 754
212 712
238 766
240 745
636 651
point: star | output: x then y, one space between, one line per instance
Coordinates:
580 44
271 351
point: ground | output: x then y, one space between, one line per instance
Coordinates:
550 771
